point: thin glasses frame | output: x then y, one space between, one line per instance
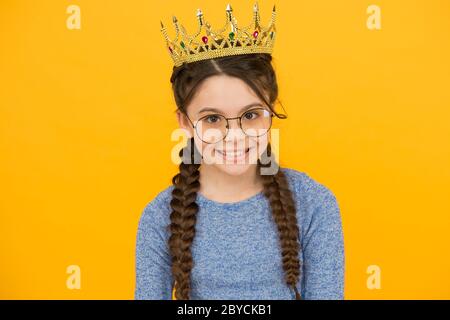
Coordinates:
194 126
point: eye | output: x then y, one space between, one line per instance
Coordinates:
251 115
212 118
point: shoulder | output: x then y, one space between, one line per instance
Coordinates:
313 198
303 184
317 206
157 210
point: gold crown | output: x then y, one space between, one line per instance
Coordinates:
227 41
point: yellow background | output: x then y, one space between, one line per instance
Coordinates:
86 117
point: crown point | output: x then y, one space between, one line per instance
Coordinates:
255 7
273 8
174 19
162 26
199 12
229 9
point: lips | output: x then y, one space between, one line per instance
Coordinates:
233 153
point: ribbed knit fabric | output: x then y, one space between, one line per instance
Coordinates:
236 248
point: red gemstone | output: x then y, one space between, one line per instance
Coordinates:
170 49
255 34
205 39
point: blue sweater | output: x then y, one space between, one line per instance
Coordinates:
236 249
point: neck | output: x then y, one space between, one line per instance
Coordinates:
220 186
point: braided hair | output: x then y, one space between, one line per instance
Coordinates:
257 71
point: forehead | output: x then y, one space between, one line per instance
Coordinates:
223 92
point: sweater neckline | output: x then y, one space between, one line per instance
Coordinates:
254 198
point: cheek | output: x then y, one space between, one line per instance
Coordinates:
209 156
198 143
261 143
205 149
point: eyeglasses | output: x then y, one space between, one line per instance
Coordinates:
213 128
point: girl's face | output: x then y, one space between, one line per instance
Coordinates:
217 98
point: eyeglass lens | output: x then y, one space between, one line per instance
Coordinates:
214 127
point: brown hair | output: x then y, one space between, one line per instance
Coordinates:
257 71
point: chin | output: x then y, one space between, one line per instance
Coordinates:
234 169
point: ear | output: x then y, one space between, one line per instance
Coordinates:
184 123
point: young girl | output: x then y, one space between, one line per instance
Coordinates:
234 225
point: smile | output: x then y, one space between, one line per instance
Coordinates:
233 154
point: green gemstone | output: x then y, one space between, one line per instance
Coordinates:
231 35
182 44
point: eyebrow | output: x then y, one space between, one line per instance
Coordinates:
254 104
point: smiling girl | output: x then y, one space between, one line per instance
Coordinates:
234 224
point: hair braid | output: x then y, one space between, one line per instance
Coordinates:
277 191
184 217
183 220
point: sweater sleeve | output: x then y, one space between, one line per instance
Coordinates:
323 250
153 269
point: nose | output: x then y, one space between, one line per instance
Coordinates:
234 131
